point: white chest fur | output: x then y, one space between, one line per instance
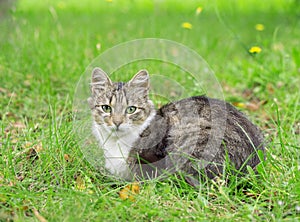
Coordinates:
117 145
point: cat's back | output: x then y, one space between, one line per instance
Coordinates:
210 115
199 130
209 129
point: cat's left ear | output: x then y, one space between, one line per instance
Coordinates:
141 80
100 80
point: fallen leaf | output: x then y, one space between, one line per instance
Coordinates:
280 84
19 125
67 157
29 76
33 151
32 154
27 83
270 88
38 215
250 194
297 128
130 191
38 147
251 106
124 193
12 94
80 184
3 90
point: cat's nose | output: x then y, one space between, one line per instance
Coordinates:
117 123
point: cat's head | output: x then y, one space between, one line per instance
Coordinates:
120 106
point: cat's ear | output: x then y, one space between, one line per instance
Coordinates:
100 80
140 80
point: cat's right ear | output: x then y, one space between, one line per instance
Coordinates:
100 80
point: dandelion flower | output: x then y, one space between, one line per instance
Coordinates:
186 25
98 46
259 27
240 105
255 49
199 10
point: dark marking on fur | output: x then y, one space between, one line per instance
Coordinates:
120 86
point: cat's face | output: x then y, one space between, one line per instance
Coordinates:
120 106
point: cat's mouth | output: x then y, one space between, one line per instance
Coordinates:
114 130
117 129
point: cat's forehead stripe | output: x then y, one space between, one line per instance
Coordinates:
118 97
120 85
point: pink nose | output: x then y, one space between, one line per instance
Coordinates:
117 122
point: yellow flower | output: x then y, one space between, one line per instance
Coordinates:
255 49
239 105
199 10
259 27
186 25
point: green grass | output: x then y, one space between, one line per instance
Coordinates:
46 45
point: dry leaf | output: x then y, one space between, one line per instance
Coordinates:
296 126
270 88
33 150
38 147
12 94
38 215
19 125
251 106
27 83
32 154
3 90
67 158
130 191
80 184
250 194
29 76
280 84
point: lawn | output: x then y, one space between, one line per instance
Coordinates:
45 47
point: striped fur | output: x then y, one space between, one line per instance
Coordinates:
195 135
117 130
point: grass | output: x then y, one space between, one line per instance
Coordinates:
46 45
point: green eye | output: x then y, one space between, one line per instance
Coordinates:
106 108
130 109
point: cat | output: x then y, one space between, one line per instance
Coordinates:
195 135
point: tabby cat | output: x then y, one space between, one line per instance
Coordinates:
195 136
